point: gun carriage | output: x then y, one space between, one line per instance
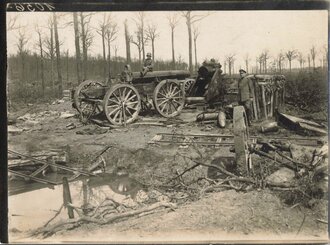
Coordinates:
122 102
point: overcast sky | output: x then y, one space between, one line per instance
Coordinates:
221 33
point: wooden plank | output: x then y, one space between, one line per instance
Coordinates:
271 113
25 176
39 170
264 105
67 197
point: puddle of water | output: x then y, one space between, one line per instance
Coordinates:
32 209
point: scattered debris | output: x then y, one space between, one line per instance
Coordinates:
269 127
67 115
283 175
296 123
14 130
71 126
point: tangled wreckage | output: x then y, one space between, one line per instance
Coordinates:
169 91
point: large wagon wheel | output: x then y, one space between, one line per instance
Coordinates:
122 104
85 108
241 138
169 98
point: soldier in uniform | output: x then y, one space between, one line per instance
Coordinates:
147 65
245 94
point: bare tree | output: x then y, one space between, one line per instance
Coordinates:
21 50
77 45
138 43
313 55
86 38
230 58
265 57
260 60
247 59
50 50
291 55
173 20
140 23
128 39
280 59
102 28
152 34
196 33
111 35
40 46
190 20
58 56
301 60
12 23
309 62
326 55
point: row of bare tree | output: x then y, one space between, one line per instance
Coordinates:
145 34
277 62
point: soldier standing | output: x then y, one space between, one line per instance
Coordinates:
147 65
245 94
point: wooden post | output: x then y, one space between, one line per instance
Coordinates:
67 197
271 113
257 96
264 105
254 101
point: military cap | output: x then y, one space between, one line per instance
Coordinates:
148 54
242 71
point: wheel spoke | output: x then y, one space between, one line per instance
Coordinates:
127 109
162 102
176 93
132 103
163 108
114 111
175 108
133 96
132 108
159 93
120 115
128 94
114 94
176 102
116 115
113 101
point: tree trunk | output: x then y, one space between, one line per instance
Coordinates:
190 43
247 66
173 55
76 39
84 47
58 57
67 66
104 56
195 46
52 58
128 44
153 49
42 66
109 58
229 68
290 65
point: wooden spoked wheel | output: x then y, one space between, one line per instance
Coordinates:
241 138
81 98
169 98
122 104
188 84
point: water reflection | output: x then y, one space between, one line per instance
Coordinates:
32 209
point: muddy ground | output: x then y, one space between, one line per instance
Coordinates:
224 214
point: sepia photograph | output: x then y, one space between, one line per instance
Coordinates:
178 126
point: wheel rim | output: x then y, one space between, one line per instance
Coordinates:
86 109
122 104
168 98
